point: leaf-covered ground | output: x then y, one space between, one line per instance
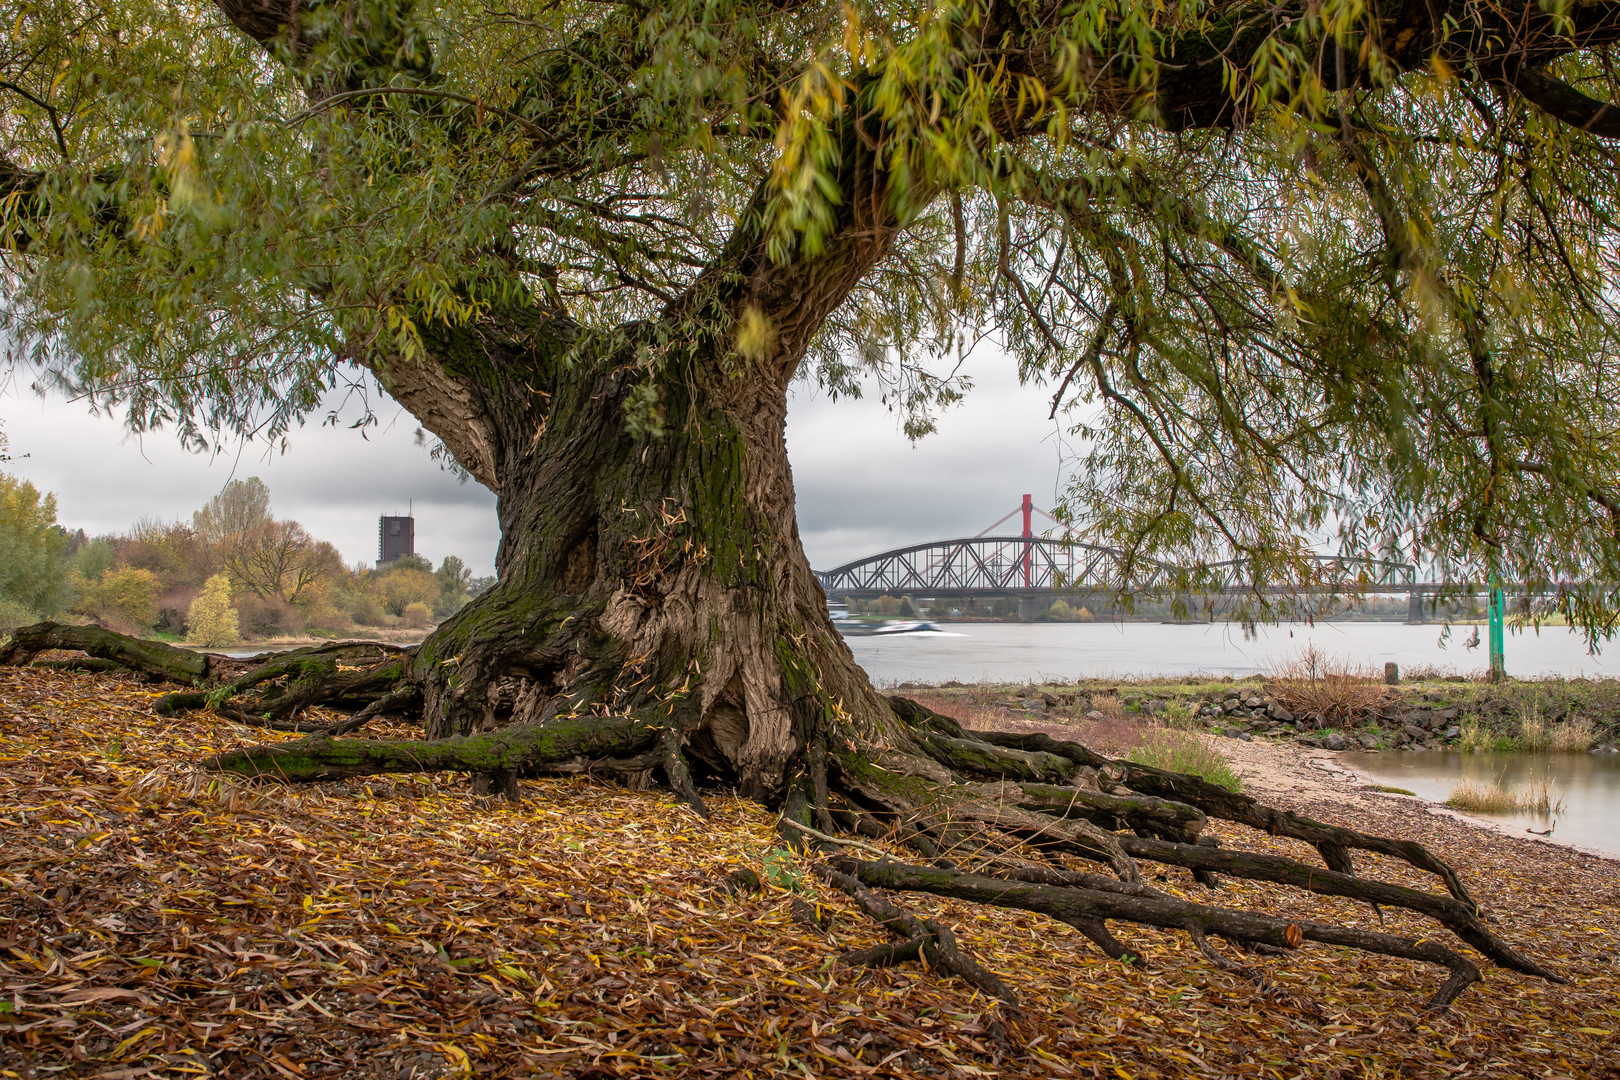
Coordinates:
157 922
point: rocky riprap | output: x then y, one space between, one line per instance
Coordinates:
1399 719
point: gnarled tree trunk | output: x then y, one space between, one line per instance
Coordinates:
646 571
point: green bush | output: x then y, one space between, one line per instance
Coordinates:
453 577
93 558
13 615
1184 752
368 610
211 620
32 571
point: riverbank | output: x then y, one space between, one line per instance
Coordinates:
1332 708
1277 769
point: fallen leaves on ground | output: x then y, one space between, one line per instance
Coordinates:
156 921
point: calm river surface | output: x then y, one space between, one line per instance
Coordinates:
1588 784
1022 652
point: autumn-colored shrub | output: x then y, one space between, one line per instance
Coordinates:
329 617
417 615
401 587
211 620
125 599
264 616
1313 683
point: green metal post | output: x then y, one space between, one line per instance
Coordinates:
1498 669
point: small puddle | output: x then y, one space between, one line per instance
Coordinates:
1587 784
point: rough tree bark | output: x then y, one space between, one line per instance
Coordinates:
650 558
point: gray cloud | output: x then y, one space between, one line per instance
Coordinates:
332 479
862 487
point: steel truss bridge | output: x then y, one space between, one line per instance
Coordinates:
1035 568
1022 566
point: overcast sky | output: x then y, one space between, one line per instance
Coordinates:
862 487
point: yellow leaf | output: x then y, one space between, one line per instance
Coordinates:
460 1063
118 1051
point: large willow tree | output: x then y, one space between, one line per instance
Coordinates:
1297 268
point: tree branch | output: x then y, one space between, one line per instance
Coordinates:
1562 101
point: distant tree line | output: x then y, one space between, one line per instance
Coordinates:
234 571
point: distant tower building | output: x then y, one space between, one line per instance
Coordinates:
396 536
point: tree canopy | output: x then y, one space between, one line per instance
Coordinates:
1325 268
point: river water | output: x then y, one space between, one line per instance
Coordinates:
1025 652
1587 784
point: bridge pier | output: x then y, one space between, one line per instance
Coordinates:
1414 608
1028 608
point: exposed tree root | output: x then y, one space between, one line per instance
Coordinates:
950 818
152 659
1074 902
365 676
512 751
289 683
921 938
996 818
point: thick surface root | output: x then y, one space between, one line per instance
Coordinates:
273 692
153 659
509 752
1071 903
922 939
994 818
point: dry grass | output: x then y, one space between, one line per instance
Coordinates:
1475 736
1536 735
1311 681
1185 752
1109 705
966 709
1425 672
1491 797
1116 734
1575 735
